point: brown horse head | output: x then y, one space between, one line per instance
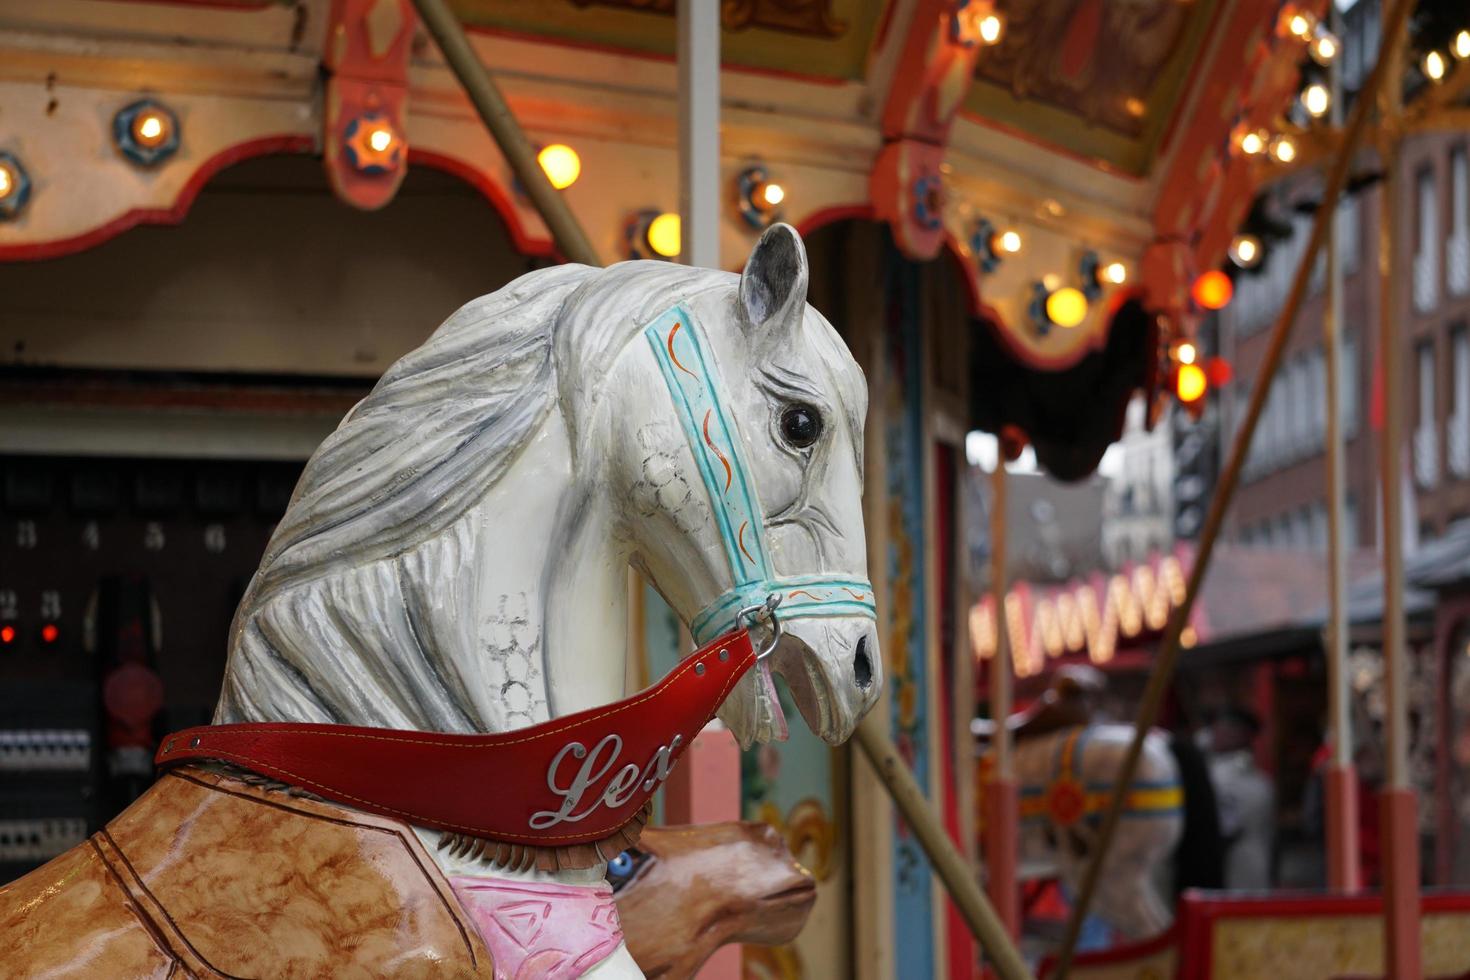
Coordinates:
686 891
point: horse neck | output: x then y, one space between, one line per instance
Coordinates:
551 589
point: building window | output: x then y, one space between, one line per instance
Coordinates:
1457 434
1457 247
1426 442
1426 249
1349 235
1347 386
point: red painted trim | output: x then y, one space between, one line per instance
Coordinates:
1162 147
1340 790
498 196
830 216
171 215
1122 953
601 47
1402 930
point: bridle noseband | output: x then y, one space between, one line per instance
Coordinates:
699 401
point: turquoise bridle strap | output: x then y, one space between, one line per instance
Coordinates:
683 359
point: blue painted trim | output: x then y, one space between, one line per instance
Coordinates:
695 392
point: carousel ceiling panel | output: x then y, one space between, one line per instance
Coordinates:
821 38
1095 78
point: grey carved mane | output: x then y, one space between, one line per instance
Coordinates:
362 610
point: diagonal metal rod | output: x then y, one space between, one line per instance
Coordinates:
567 232
954 870
1163 671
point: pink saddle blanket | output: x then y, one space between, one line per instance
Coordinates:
540 930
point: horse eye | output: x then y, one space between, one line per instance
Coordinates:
801 425
622 869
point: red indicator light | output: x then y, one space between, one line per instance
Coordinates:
7 634
49 633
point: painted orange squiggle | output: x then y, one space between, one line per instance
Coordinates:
859 596
740 540
793 595
729 473
675 357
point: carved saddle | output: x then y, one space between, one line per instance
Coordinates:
208 875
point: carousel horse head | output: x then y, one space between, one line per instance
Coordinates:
683 892
704 427
744 412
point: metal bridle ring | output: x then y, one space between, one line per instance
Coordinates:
764 613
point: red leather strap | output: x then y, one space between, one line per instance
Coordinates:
571 780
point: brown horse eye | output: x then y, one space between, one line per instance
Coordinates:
801 425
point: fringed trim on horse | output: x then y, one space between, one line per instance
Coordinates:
523 857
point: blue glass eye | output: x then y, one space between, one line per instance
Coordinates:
624 868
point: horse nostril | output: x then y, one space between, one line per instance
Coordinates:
862 667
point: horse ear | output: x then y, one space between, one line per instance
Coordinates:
773 285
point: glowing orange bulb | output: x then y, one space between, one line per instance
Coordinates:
7 180
1213 289
1190 383
49 633
380 139
7 634
774 194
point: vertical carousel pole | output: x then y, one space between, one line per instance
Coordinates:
1340 781
699 132
1399 807
707 787
1001 807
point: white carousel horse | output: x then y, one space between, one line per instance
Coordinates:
1065 778
454 557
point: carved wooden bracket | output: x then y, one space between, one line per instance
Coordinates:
933 74
366 59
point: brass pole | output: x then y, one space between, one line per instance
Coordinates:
1163 671
956 872
485 95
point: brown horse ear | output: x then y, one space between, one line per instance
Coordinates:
773 285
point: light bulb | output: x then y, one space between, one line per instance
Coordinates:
561 164
1316 100
1434 66
1066 307
1323 46
1245 251
774 194
1252 143
1283 149
1461 45
665 236
1009 241
380 139
991 28
1115 273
